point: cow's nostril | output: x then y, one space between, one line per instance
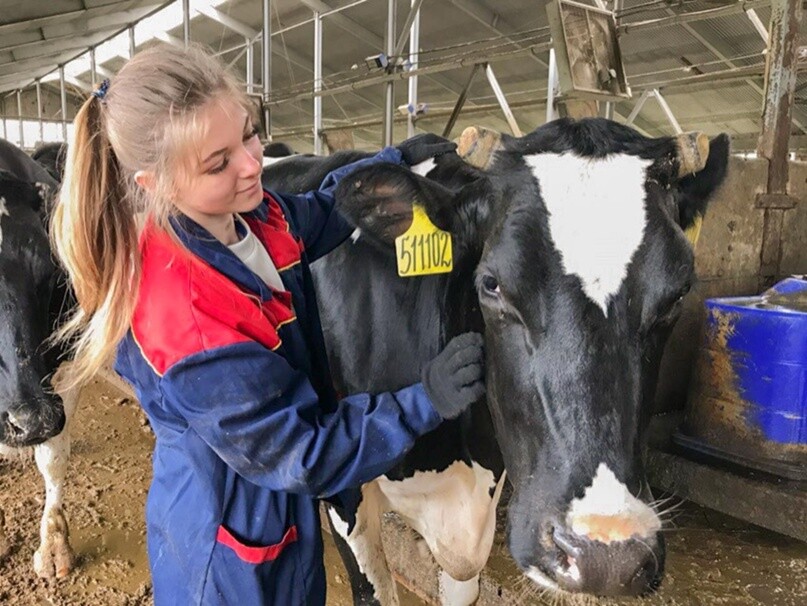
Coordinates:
567 555
15 424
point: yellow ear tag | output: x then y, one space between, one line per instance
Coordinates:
424 249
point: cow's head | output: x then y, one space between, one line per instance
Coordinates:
29 412
574 248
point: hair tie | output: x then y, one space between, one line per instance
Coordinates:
100 92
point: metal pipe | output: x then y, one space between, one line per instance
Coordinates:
132 45
64 103
473 110
758 25
93 70
19 116
389 88
406 31
250 64
414 45
431 69
668 112
502 99
39 111
638 107
266 66
609 106
186 22
712 13
317 84
551 87
452 119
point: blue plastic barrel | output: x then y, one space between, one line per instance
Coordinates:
748 399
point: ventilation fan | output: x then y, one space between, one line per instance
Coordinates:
587 52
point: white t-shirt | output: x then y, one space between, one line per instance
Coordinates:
250 250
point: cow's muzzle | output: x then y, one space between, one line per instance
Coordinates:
631 567
31 423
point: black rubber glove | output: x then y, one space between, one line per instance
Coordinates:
456 377
421 147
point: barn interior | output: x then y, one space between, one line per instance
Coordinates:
361 74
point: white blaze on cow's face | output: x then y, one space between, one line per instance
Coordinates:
3 213
597 215
608 512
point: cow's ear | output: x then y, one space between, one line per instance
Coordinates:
696 189
378 199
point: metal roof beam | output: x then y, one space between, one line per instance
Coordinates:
83 14
721 51
71 43
85 25
346 23
692 16
227 21
493 22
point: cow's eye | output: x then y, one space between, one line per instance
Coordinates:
490 285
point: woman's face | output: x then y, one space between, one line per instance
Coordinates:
226 176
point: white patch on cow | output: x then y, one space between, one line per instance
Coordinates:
424 168
366 546
354 237
268 161
539 578
3 213
609 498
54 557
453 511
597 215
457 593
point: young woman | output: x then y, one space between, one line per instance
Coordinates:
197 280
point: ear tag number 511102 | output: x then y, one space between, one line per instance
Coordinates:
424 249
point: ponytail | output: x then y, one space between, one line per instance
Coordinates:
94 233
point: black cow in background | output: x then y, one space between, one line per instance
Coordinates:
53 157
573 246
32 298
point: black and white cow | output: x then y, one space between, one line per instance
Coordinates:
32 292
571 256
53 157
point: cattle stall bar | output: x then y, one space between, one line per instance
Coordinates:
726 443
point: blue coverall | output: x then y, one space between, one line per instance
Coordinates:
249 433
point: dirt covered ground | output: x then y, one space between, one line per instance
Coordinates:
712 559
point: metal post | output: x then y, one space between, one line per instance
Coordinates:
64 103
414 45
774 141
638 107
132 45
93 70
460 101
250 64
19 116
186 22
39 111
551 87
317 83
609 107
667 111
266 65
500 97
389 87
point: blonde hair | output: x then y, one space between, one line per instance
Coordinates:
148 120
